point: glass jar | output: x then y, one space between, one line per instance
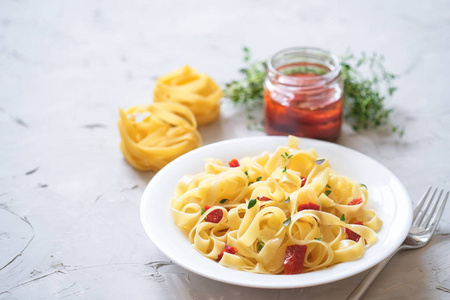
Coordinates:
303 94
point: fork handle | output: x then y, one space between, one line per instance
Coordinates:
362 287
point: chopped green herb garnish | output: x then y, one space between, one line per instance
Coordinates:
287 221
342 218
257 179
223 200
284 169
203 211
318 239
286 155
327 193
288 199
260 245
362 184
251 203
328 186
246 173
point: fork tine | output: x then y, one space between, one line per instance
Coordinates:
426 221
420 211
437 217
419 205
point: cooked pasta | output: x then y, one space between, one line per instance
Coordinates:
153 135
283 212
197 91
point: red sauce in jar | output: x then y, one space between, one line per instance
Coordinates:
301 99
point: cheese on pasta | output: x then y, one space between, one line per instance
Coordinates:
196 91
261 203
153 135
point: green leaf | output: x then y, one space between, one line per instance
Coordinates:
362 184
367 84
260 245
223 200
247 54
328 186
327 193
286 155
203 211
248 90
287 221
342 218
288 199
251 203
259 178
318 239
284 169
246 173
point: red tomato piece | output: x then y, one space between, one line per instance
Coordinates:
308 205
355 201
215 216
352 235
228 249
233 163
263 198
303 180
294 258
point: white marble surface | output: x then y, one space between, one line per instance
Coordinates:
69 203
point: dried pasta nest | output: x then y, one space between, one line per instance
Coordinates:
153 135
197 91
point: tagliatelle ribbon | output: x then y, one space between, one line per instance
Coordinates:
197 91
153 135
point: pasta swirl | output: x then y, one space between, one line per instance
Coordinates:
153 135
250 215
196 91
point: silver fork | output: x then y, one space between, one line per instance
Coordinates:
425 219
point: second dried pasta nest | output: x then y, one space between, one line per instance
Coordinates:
197 91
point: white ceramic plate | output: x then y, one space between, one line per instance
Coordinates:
386 195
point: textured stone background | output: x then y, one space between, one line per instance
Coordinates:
69 203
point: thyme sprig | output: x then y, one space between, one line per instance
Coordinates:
367 84
365 93
248 92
